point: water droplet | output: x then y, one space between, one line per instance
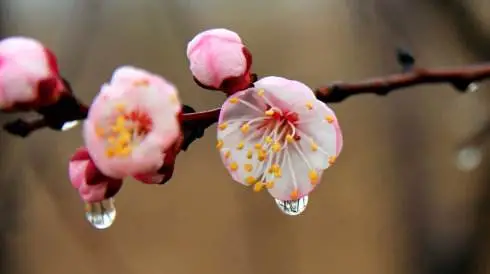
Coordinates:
69 125
101 215
472 87
293 207
469 158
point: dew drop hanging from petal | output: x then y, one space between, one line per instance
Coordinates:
101 215
293 207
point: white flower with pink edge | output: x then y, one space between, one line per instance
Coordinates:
278 136
132 122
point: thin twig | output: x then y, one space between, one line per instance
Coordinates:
460 78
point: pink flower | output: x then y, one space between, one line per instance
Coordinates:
91 184
219 60
278 136
132 122
29 76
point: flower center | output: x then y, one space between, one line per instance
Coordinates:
125 131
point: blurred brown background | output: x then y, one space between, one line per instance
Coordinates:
395 203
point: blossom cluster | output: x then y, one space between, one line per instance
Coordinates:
272 133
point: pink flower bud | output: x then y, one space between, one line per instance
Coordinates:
92 185
219 60
29 75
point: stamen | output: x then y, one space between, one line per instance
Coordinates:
314 146
309 106
234 166
249 105
289 138
223 126
234 100
219 144
240 145
227 154
261 92
258 186
269 112
262 155
331 160
249 154
290 165
258 146
269 184
99 131
250 180
245 128
313 175
248 167
294 194
268 140
276 147
329 118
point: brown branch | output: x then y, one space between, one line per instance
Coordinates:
460 78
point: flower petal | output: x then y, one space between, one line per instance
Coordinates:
284 93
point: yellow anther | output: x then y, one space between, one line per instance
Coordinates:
262 155
294 194
329 119
248 167
258 146
219 144
249 154
141 82
276 147
245 128
258 186
276 170
120 107
309 106
234 100
269 184
261 92
313 175
314 146
110 152
227 154
124 138
269 112
240 146
331 160
223 126
289 138
268 139
124 151
99 131
250 180
234 166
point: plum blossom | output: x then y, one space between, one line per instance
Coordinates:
132 122
219 60
278 136
29 75
92 185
